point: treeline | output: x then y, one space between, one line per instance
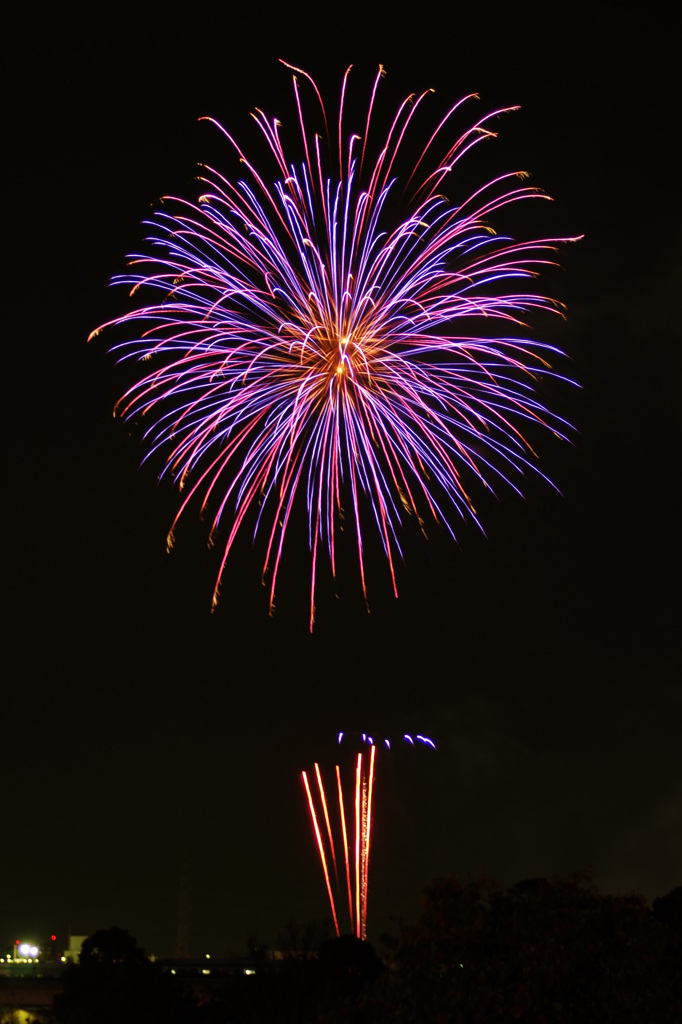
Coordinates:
542 952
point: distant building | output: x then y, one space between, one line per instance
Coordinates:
70 955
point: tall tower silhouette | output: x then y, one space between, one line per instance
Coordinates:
182 938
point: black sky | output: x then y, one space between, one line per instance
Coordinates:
144 737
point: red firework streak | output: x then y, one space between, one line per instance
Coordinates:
355 853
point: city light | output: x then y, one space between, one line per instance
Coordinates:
27 951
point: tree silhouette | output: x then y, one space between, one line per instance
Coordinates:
668 909
111 949
347 964
114 982
542 951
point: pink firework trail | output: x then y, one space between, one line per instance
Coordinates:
312 347
356 849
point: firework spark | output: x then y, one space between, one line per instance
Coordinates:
356 849
309 346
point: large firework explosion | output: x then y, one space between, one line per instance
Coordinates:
311 347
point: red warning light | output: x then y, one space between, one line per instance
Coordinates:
53 938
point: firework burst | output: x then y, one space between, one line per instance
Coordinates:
308 346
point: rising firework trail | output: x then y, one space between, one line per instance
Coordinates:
340 336
357 798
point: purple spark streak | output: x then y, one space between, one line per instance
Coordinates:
307 344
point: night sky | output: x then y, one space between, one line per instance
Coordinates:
144 738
